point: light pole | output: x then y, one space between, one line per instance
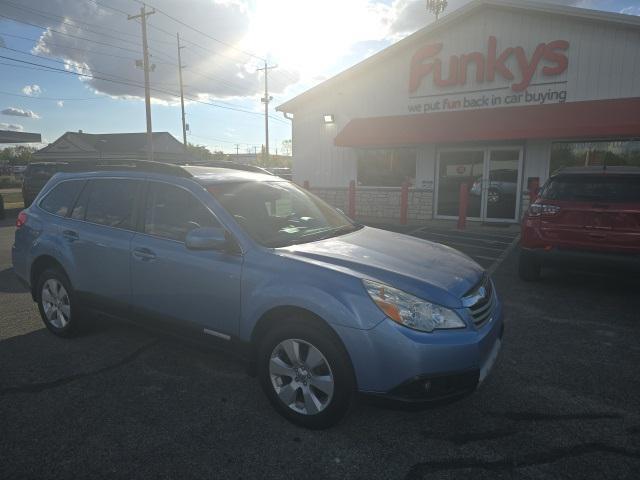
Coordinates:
436 7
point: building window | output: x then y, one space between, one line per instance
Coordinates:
386 168
582 154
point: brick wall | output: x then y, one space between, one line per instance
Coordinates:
333 196
381 204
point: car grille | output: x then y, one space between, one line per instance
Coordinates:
480 302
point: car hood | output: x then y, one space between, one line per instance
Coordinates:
426 269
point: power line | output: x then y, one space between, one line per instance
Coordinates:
72 24
191 27
137 52
75 65
66 47
218 79
218 140
173 94
63 20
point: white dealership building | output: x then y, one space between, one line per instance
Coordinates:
496 95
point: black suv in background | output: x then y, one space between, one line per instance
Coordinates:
36 175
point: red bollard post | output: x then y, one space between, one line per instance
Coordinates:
404 203
352 199
534 187
464 204
306 185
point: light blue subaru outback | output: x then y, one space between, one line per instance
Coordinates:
321 307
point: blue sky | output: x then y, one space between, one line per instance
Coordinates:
307 40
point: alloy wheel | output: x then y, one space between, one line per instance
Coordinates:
301 376
56 304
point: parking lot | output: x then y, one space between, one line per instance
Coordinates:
119 402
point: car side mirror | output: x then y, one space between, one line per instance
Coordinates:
206 239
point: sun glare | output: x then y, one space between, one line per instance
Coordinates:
311 36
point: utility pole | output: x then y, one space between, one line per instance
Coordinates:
180 67
266 99
237 150
145 65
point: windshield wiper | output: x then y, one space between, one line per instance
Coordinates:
318 235
336 232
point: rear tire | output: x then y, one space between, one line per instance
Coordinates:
315 388
57 303
529 267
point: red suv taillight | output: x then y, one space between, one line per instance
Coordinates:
22 219
537 209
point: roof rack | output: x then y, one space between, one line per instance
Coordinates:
135 165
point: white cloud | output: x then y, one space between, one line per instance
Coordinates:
635 10
11 126
212 67
305 38
19 112
32 90
60 103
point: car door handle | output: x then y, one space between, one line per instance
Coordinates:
144 254
70 235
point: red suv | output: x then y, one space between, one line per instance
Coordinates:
584 215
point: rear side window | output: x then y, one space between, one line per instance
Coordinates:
110 202
80 208
60 199
171 212
594 188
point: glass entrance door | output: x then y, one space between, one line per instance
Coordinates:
493 176
502 192
456 167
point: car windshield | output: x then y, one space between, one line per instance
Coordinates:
277 214
594 188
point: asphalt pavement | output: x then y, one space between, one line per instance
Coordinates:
119 402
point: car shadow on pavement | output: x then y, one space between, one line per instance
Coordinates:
611 281
9 282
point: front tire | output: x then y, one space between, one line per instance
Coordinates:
57 303
306 374
529 268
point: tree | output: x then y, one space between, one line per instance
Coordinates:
287 147
19 155
437 7
203 153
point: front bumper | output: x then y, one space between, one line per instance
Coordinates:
395 362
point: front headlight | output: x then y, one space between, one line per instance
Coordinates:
410 311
